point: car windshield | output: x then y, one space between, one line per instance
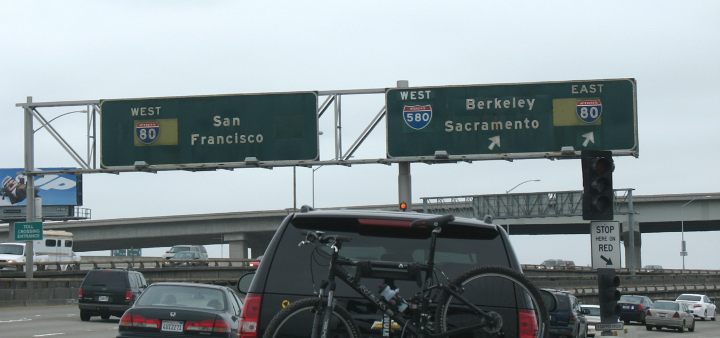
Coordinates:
631 299
592 311
11 249
179 249
690 298
183 296
666 306
184 255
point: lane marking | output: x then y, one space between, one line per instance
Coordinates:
15 320
49 334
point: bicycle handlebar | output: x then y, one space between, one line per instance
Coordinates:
320 237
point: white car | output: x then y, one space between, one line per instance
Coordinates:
592 316
701 305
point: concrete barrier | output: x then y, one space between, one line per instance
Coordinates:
61 287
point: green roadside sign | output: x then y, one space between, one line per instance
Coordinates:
28 231
526 120
209 129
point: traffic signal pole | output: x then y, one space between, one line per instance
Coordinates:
608 295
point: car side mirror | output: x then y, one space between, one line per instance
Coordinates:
243 283
549 300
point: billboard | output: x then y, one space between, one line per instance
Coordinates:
54 189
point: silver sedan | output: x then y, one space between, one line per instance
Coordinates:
669 314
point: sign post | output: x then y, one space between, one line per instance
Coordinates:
526 120
605 245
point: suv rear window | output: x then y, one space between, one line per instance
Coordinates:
111 279
459 249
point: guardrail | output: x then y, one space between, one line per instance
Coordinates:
124 263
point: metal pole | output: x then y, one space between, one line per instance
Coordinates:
682 242
294 189
404 178
30 184
631 235
313 187
683 245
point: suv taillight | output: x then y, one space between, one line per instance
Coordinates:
128 295
250 317
80 293
527 324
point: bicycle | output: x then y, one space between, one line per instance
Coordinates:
437 310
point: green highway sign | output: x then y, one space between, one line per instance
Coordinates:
209 129
513 120
28 231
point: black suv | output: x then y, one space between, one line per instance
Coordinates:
288 273
109 292
567 319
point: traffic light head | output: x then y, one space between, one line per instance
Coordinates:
608 294
403 206
598 195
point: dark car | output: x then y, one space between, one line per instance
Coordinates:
109 292
567 319
633 307
183 310
185 258
289 272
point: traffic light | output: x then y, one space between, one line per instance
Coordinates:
403 206
598 196
608 295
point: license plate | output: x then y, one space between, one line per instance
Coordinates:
627 307
172 326
103 298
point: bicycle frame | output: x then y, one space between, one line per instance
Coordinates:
336 270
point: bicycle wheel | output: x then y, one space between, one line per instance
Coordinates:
490 288
297 320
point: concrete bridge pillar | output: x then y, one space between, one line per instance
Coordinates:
625 237
237 245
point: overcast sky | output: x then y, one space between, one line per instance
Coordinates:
88 50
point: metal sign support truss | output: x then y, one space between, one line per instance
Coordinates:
89 163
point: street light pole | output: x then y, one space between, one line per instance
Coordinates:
519 184
683 245
313 184
507 195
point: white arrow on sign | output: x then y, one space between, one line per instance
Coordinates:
494 141
589 138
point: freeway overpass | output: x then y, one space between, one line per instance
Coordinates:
531 213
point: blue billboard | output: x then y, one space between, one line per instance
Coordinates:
54 189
